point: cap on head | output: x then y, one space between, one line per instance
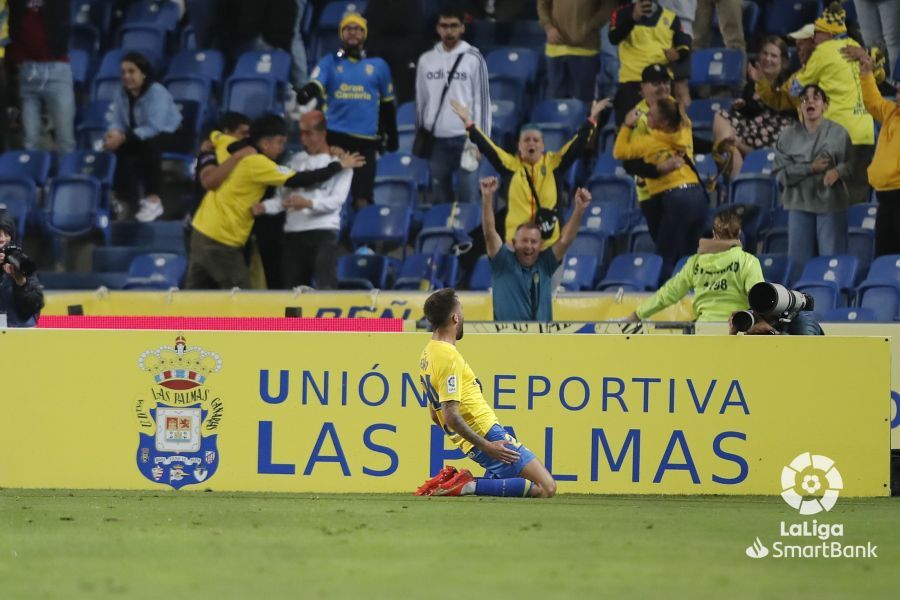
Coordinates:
804 33
833 20
655 74
354 18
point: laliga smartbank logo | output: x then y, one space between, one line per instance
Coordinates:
811 484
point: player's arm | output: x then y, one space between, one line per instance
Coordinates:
211 177
454 421
433 414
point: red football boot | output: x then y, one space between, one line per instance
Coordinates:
455 486
446 474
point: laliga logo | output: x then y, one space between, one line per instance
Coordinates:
811 483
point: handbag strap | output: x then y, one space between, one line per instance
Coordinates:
534 193
445 90
690 163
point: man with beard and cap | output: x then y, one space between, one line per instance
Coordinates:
358 97
457 405
21 295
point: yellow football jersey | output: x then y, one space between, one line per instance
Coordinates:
446 376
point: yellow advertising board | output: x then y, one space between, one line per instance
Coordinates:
344 412
405 305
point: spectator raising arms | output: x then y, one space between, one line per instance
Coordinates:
533 173
646 34
359 103
143 117
522 274
812 163
884 172
721 274
677 195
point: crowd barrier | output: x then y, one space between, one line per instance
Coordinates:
344 412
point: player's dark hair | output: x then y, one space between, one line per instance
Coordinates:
816 90
670 113
268 125
231 120
452 10
143 65
439 306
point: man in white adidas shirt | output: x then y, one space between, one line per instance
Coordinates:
313 213
469 87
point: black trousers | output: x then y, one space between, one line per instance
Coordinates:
139 162
308 255
361 189
887 223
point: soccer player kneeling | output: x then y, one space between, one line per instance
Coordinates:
458 407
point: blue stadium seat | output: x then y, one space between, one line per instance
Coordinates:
114 259
362 272
85 38
427 271
156 236
402 165
825 297
517 63
18 197
334 11
381 224
156 271
853 314
252 96
508 88
709 172
108 78
607 164
187 39
862 216
406 115
94 13
633 272
776 267
883 300
885 270
761 190
34 164
775 240
717 67
702 110
861 244
74 207
554 138
447 226
527 34
605 218
399 192
482 33
405 139
80 62
760 161
93 122
99 165
186 139
194 89
162 13
841 271
273 64
579 272
590 245
616 189
505 121
149 40
784 17
568 115
481 274
640 241
208 64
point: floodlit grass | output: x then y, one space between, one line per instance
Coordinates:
109 544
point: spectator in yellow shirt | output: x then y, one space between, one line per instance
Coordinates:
884 172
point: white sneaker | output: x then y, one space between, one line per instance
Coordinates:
149 211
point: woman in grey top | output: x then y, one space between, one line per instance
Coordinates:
812 164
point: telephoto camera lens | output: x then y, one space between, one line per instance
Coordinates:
743 320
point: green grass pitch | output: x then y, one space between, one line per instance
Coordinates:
108 544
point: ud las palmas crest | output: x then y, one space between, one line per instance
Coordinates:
179 421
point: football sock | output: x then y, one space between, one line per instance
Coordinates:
515 487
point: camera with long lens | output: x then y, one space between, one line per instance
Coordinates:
773 303
16 257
